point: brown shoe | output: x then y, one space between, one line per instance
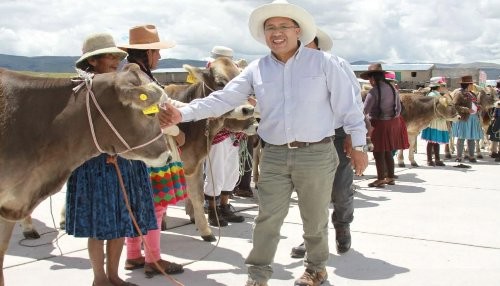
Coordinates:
136 263
150 269
312 278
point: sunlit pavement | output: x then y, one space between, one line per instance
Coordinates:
436 226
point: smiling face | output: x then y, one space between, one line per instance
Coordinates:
282 35
105 63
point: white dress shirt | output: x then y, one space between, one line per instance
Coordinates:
304 99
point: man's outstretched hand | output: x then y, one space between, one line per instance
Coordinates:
169 115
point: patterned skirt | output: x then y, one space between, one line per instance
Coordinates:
95 205
389 135
169 184
437 132
470 129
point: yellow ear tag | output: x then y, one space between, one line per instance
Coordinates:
143 97
151 109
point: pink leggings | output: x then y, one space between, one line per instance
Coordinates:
152 239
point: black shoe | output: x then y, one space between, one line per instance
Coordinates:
440 163
227 212
431 163
216 219
343 239
472 160
298 251
494 155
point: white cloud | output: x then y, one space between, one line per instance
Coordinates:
444 31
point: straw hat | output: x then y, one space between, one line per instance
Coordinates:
221 51
281 8
373 68
437 81
98 44
325 42
145 37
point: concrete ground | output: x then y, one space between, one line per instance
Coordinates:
436 226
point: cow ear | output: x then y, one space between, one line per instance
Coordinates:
135 89
196 72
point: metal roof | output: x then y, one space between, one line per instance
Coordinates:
396 67
169 70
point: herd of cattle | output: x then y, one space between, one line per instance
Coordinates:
48 127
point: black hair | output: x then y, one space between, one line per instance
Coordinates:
434 87
86 66
464 85
140 57
316 42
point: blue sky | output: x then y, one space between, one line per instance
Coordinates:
391 31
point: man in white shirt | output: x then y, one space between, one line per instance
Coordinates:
302 95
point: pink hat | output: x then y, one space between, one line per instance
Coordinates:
390 75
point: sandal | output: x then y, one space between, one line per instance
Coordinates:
136 263
377 184
170 268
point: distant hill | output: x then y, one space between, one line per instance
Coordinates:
55 64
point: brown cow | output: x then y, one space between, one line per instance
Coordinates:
200 134
418 112
46 133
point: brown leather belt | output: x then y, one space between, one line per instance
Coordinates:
298 144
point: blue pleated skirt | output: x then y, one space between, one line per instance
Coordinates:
470 129
437 132
95 206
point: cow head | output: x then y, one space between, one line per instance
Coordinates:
135 119
445 108
486 97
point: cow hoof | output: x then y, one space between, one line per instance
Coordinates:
31 234
209 238
402 165
414 164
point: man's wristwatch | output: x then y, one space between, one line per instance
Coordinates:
362 148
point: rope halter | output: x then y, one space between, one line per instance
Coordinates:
85 80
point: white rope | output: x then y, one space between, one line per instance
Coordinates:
86 80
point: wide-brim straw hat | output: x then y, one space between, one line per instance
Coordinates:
466 79
281 8
325 42
146 37
373 68
221 51
98 44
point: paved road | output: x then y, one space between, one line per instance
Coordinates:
436 226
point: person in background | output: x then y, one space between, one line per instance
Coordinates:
468 128
169 184
222 169
383 107
437 132
494 132
95 205
342 195
297 89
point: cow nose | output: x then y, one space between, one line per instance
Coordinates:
247 110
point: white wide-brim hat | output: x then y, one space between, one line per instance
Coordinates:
325 42
281 8
221 51
98 44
